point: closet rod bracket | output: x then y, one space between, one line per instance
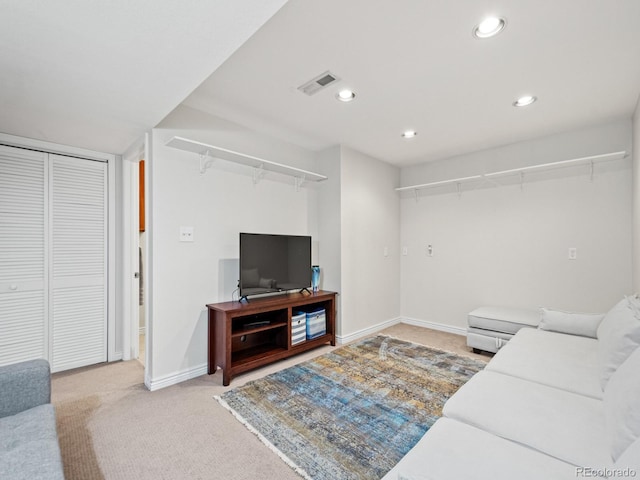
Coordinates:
258 173
206 161
299 182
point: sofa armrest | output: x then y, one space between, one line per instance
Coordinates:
23 386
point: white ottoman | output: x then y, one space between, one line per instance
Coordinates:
489 328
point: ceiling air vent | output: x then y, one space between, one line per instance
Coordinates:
318 83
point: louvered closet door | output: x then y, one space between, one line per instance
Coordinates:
78 298
53 239
23 273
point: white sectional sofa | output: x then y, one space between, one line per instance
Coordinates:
561 401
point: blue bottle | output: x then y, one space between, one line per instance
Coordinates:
315 277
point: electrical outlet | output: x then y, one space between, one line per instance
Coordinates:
186 234
573 253
430 250
405 251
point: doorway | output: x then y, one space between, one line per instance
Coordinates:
135 255
142 262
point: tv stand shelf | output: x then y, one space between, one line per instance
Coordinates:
250 331
247 335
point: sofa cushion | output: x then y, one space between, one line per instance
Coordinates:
629 460
561 424
567 362
571 323
618 336
503 319
622 405
451 450
29 445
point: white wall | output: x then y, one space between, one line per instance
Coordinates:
636 199
370 222
352 217
219 204
498 245
509 246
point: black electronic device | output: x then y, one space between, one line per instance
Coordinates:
274 263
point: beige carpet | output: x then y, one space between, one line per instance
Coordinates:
111 427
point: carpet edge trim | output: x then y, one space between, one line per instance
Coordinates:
299 470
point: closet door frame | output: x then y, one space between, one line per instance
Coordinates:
114 349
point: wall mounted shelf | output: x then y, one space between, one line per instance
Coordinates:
259 164
519 171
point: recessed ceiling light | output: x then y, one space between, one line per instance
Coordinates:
524 101
409 134
489 27
345 95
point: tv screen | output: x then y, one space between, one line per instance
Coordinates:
274 263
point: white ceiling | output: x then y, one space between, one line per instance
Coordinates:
414 64
97 74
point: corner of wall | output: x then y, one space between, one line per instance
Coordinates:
370 244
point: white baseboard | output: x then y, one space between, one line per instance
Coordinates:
116 357
341 339
175 378
434 326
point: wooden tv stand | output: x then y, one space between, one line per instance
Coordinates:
247 335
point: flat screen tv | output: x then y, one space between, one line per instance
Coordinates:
274 263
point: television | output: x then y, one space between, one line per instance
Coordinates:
274 263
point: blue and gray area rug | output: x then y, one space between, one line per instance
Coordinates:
352 413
